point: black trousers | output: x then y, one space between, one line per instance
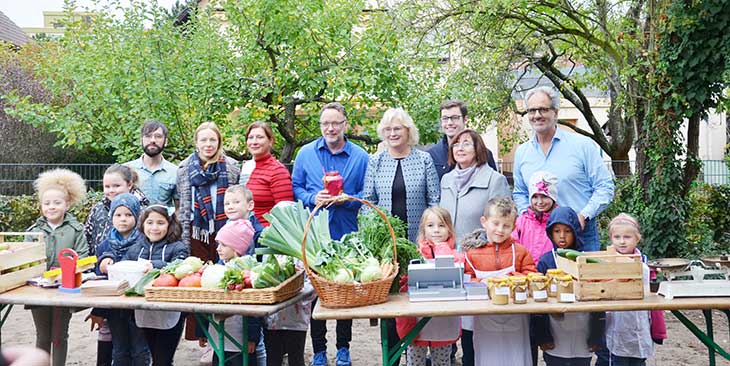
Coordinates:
103 353
280 342
163 342
467 347
319 333
235 358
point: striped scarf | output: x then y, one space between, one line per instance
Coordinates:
207 220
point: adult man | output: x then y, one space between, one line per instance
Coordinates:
157 176
453 120
584 182
331 152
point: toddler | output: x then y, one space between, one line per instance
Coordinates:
630 335
58 190
491 252
566 339
530 226
238 204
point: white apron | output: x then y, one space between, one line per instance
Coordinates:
152 318
501 339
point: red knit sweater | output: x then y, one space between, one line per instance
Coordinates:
270 183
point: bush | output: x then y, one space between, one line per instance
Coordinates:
18 213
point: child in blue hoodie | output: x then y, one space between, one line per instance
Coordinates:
566 339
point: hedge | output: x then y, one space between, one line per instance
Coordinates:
18 213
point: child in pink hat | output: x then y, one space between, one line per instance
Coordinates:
530 226
234 238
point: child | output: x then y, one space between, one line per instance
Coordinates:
630 334
530 226
58 190
491 252
435 237
566 339
238 204
159 246
233 240
129 345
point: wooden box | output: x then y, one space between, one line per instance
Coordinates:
22 260
617 277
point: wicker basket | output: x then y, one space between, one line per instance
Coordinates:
347 295
271 295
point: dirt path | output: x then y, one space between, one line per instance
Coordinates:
682 348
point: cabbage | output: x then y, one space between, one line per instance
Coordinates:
213 276
370 274
343 276
194 262
183 270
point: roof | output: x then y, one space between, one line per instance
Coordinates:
535 78
11 33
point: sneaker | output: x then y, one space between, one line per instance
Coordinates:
343 357
207 358
320 359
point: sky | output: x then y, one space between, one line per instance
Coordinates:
29 13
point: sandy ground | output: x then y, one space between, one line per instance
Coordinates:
682 348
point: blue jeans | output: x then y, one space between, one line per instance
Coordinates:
559 361
626 361
129 343
590 237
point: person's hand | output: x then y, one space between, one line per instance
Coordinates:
251 347
104 265
202 342
95 320
26 356
582 221
547 346
321 196
149 267
594 347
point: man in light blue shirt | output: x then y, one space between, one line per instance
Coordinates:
157 176
584 182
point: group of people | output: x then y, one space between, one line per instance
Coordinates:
451 197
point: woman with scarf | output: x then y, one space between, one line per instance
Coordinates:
202 181
464 193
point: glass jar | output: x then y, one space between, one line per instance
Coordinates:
553 284
539 288
501 291
519 290
565 288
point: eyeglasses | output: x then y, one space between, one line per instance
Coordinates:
156 136
396 129
335 124
542 110
466 145
455 118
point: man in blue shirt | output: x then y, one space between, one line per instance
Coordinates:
584 182
453 120
331 152
157 176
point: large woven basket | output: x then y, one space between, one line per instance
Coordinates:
348 295
271 295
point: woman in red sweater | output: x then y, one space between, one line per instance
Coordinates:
270 181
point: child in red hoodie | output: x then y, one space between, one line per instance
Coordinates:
435 237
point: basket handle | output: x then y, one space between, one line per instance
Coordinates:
340 199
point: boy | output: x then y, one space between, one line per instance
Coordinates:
566 339
238 204
491 252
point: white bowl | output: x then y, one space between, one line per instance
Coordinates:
131 271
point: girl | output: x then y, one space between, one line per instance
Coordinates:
435 237
234 239
129 345
117 179
159 246
58 190
530 226
630 334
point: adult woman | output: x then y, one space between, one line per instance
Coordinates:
270 181
401 179
464 193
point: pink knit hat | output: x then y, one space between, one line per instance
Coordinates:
237 235
544 183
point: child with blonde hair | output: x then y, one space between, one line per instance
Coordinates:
58 190
630 335
435 237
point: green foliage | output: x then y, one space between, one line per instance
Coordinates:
18 213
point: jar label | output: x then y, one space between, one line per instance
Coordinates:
520 296
567 297
553 288
542 294
501 291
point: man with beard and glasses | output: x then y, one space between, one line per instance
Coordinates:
157 176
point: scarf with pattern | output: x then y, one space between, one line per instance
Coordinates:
206 218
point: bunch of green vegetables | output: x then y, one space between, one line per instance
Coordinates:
246 272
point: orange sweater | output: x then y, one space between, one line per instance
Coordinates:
495 256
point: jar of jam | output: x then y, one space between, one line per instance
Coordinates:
501 291
551 274
565 288
539 288
333 183
519 290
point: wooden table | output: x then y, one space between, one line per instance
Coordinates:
29 295
400 306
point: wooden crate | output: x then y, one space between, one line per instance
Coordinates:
618 277
22 261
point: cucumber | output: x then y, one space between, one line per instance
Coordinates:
572 254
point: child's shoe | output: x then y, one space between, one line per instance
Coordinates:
343 357
320 359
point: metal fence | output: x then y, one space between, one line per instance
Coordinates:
17 179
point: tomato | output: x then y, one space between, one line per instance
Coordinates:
165 280
192 280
